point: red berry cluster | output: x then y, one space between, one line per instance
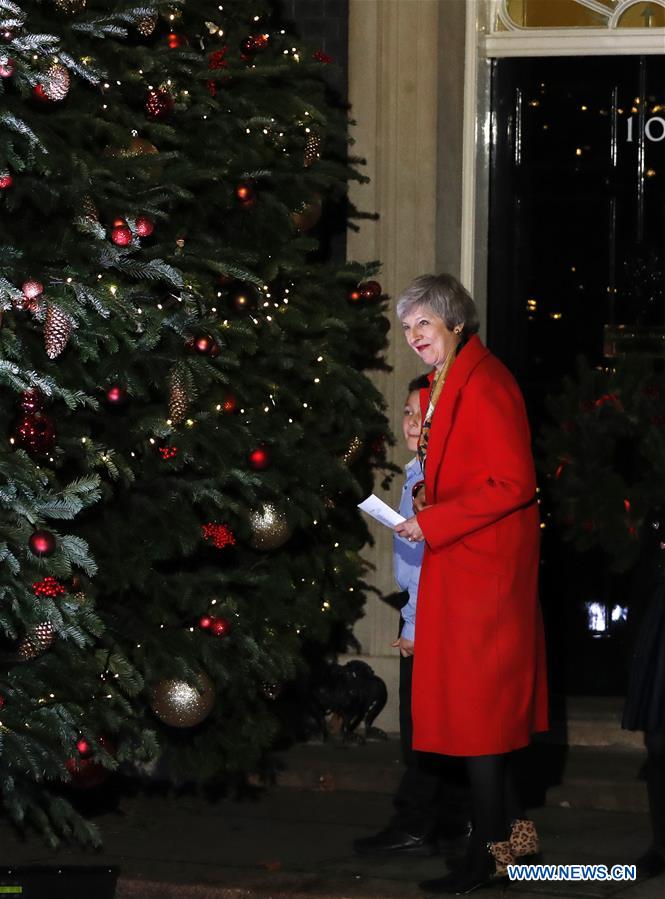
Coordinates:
48 587
217 59
168 452
220 535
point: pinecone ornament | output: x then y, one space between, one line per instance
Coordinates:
57 330
178 398
56 81
38 639
312 150
89 209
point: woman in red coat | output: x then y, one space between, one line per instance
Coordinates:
479 682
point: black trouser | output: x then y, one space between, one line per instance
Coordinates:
655 773
418 798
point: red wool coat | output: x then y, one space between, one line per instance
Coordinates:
479 681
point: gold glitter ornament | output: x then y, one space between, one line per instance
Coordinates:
308 215
352 451
178 398
57 331
38 639
312 150
147 26
139 146
270 527
70 7
56 81
179 704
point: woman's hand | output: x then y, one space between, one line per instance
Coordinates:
410 530
405 646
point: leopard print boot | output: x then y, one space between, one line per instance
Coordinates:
524 840
503 856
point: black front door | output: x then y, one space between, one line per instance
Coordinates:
577 238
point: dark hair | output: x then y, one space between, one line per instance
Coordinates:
447 299
419 383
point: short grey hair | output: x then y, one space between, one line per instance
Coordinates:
445 297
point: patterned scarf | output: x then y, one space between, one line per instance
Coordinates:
434 394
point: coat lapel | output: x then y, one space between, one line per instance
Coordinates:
444 414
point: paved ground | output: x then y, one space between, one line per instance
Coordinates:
289 841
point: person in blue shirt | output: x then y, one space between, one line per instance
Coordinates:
417 801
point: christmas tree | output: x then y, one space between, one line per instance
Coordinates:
185 372
604 455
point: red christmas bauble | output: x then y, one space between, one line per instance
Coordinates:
40 94
7 68
144 226
220 627
230 404
31 400
2 702
6 181
205 621
259 459
32 289
177 41
254 44
85 773
204 344
116 395
159 104
354 296
121 236
370 290
245 194
261 41
35 432
42 543
84 748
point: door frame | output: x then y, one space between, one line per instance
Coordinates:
482 44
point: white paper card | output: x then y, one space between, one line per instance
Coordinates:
381 511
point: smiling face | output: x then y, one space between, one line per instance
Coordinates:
428 336
411 420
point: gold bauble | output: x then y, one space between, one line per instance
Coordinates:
179 704
139 146
270 527
308 215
